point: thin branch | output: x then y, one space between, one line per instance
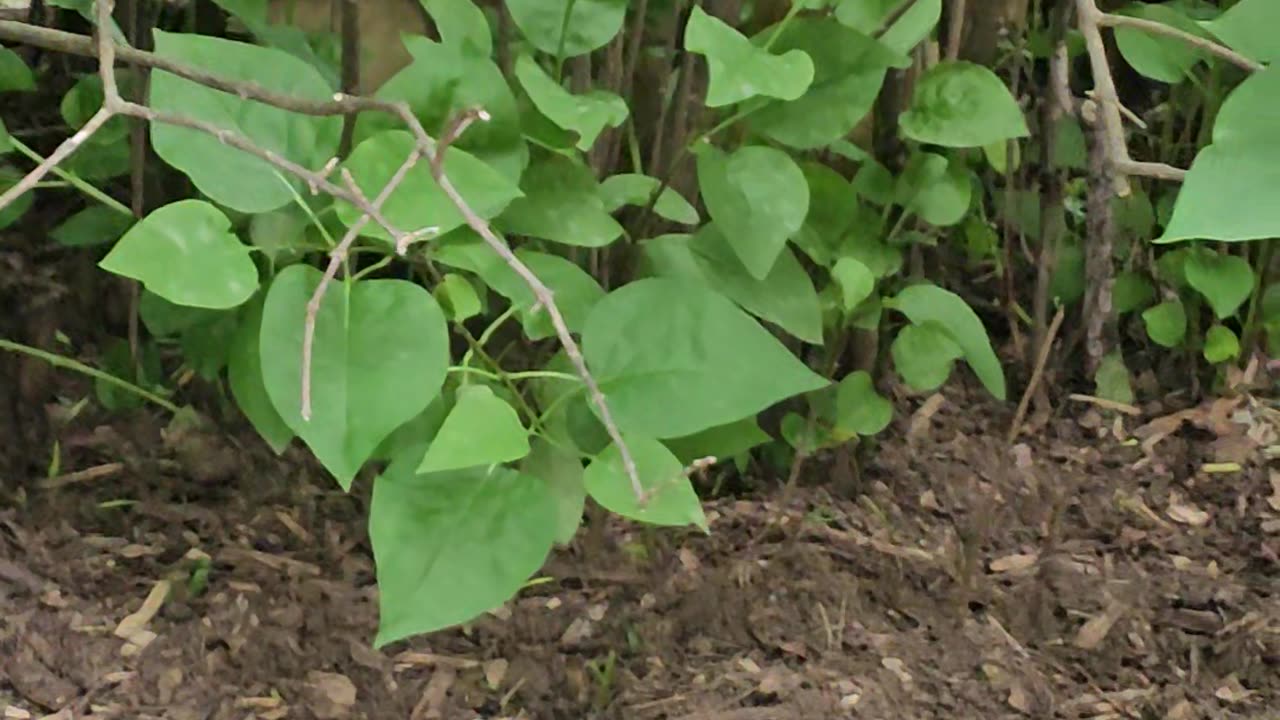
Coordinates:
1041 360
1113 20
64 151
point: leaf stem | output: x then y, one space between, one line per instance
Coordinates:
75 365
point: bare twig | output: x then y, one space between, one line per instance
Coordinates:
64 151
1113 20
1036 374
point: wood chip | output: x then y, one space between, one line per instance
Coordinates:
134 624
494 672
1018 562
1093 632
330 696
1186 512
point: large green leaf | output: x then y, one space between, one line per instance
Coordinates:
244 372
1227 192
380 355
924 355
561 203
1249 27
961 104
741 70
869 16
186 253
587 114
562 471
442 81
636 189
849 68
568 27
418 202
659 343
669 498
1226 281
461 23
229 176
924 303
785 297
481 429
1159 57
759 198
451 546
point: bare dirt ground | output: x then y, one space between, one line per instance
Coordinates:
1072 576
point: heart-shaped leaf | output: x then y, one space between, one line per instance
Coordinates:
94 225
759 198
244 373
912 26
462 24
562 471
379 358
855 280
587 114
1157 56
186 253
859 409
924 303
565 28
669 498
741 70
961 104
1226 281
1166 323
1248 28
924 355
1221 344
481 429
561 203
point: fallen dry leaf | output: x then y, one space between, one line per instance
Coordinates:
330 696
134 623
1019 700
494 672
1092 633
1185 512
897 667
1014 563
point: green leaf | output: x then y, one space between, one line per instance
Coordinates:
458 297
461 23
451 546
1248 28
442 81
670 498
856 281
848 70
587 114
635 189
960 104
1226 281
924 355
186 253
1112 379
566 28
1226 194
759 198
1067 284
561 203
722 441
739 69
162 318
860 410
15 76
562 471
865 243
481 429
16 209
418 202
94 225
280 234
1166 323
833 209
924 303
785 297
229 176
244 373
908 31
1159 57
935 188
6 141
380 355
1131 291
1221 344
659 343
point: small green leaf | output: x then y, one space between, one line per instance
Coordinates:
722 441
1226 281
229 176
1159 57
587 114
669 495
860 410
566 28
1221 344
635 189
935 188
12 212
924 355
1131 291
923 303
1166 323
856 282
739 69
368 341
94 225
1248 28
244 373
561 203
481 429
418 202
759 198
451 546
15 76
458 297
658 344
1111 382
960 104
461 23
186 253
562 471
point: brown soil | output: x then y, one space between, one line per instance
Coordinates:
1069 577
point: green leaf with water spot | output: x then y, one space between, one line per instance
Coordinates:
924 303
1226 281
568 27
227 175
759 198
368 340
739 69
669 495
186 253
961 104
635 189
662 343
1166 323
924 355
561 203
450 546
587 114
481 429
